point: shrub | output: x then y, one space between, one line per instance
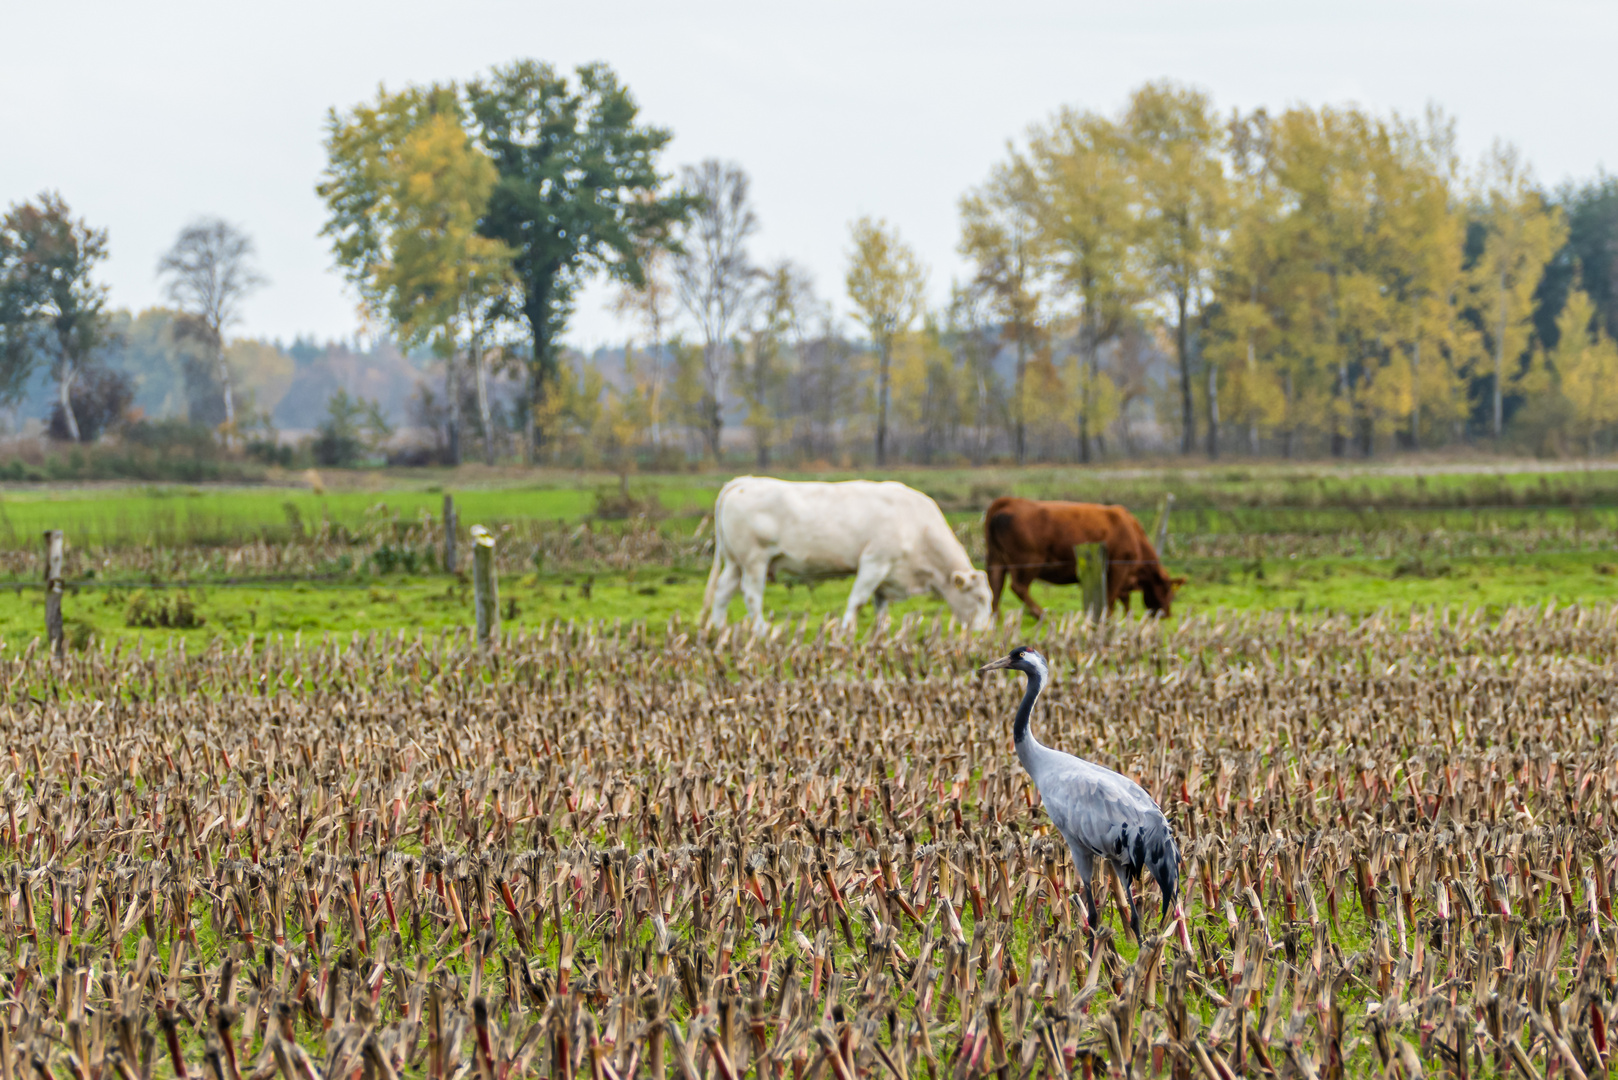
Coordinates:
100 398
353 430
176 611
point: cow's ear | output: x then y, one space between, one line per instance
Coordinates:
961 578
1176 582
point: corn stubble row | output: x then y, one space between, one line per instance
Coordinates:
639 546
607 852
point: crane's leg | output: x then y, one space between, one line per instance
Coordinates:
1134 909
730 579
1086 868
867 581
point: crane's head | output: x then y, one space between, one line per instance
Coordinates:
1023 658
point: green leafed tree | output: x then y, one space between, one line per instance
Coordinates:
578 192
51 310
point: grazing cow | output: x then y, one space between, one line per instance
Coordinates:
1033 541
892 538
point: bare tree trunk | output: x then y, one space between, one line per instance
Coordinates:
482 371
715 416
1415 395
1286 390
761 431
1188 416
452 387
1022 370
1339 441
1213 410
656 403
530 420
980 433
1500 362
225 383
1252 387
1087 376
64 396
884 352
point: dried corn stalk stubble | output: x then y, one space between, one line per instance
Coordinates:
601 852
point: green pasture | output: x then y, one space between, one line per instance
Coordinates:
1266 500
1379 539
179 515
397 603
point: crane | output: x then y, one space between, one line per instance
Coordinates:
1100 813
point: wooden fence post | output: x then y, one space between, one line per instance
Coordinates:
1160 528
1090 564
53 592
485 589
449 534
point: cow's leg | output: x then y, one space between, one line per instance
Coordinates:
872 573
753 575
1019 585
1117 593
730 579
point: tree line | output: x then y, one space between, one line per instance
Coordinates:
1313 281
1319 280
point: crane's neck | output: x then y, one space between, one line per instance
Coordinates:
1037 677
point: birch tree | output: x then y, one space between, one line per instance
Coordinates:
208 273
714 276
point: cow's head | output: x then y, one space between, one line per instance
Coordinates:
967 593
1157 589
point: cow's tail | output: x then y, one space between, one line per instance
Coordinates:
718 560
998 524
713 581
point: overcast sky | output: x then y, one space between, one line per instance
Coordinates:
146 115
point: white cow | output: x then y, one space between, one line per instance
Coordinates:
892 538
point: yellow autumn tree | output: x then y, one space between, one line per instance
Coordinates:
1522 232
1083 188
1583 370
406 188
1000 234
1243 336
1183 198
887 284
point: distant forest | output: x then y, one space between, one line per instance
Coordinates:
1165 278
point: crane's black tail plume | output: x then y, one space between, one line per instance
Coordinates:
1163 860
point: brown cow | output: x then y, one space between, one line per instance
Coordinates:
1033 541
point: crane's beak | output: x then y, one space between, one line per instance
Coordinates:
1003 662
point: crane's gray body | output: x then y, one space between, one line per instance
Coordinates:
1100 813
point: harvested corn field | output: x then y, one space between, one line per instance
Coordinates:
606 853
